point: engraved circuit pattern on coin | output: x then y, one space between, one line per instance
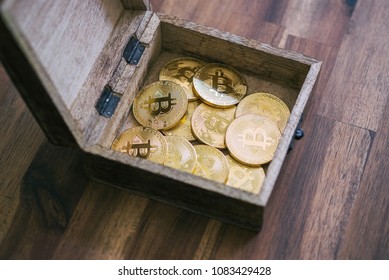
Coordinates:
209 124
219 85
142 142
244 177
252 139
181 71
160 105
265 104
211 163
181 154
183 128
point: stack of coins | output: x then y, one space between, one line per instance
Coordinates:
198 118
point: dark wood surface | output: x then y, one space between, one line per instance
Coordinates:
331 200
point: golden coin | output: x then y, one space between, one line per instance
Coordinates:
209 124
183 128
244 177
181 71
142 142
219 85
181 154
265 104
252 139
160 105
211 163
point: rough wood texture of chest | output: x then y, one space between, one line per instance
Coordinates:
61 55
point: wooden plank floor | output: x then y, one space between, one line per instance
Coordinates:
331 200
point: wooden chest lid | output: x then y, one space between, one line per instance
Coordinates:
49 49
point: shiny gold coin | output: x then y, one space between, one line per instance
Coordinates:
142 142
183 128
244 177
265 104
160 105
209 124
181 154
211 163
219 85
181 71
252 139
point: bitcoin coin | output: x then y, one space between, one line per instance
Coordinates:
209 124
219 85
183 128
252 139
160 105
244 177
265 104
181 71
142 142
211 163
181 154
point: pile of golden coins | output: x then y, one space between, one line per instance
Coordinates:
198 118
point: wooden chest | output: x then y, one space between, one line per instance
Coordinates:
74 62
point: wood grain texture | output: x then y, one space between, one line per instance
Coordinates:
47 201
61 35
370 212
364 92
47 111
337 166
136 4
318 24
16 139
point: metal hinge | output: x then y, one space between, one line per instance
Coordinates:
133 51
107 102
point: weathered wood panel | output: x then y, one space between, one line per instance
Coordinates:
51 114
66 38
174 187
136 4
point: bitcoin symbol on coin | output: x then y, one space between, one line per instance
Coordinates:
160 103
257 137
219 85
267 105
207 166
142 150
185 75
181 71
221 82
174 155
240 177
271 112
214 122
138 148
209 124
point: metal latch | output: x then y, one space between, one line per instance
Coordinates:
133 51
298 134
107 102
